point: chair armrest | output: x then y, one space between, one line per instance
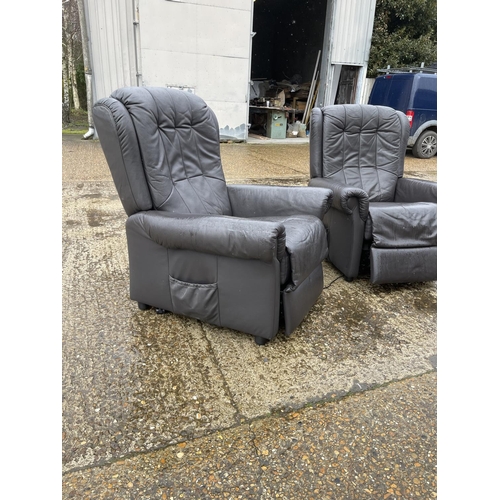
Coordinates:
249 200
410 190
215 234
345 197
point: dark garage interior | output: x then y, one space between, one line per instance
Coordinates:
289 34
285 54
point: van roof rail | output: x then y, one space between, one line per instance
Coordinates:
410 69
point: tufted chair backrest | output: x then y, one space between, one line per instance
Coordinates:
162 147
359 145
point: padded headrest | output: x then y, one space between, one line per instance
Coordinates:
360 145
178 139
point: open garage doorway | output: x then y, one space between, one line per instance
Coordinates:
285 65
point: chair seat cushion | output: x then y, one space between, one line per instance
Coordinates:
402 225
306 247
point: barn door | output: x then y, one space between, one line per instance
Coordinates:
346 91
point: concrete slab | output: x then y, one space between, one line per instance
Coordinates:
373 445
356 336
132 380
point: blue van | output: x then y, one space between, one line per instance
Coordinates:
415 94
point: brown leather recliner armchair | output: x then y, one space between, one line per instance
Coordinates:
245 257
377 216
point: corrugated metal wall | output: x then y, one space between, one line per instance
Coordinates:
347 41
111 35
352 31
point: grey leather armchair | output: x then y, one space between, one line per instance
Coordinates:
246 257
377 216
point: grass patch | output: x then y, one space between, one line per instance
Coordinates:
78 122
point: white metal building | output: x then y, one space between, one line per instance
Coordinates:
215 48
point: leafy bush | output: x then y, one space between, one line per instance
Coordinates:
404 34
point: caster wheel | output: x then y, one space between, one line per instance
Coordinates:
161 311
143 307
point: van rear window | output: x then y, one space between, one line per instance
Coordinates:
426 94
393 92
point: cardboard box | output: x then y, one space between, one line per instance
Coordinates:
300 105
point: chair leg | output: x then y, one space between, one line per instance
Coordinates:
261 340
143 307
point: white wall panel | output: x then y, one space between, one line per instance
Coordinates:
203 45
227 115
228 4
222 78
191 28
169 69
169 26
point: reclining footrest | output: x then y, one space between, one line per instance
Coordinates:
298 302
403 265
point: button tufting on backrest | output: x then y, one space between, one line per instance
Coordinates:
178 136
363 146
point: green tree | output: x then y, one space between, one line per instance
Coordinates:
73 78
404 34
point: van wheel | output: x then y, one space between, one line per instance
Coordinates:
426 145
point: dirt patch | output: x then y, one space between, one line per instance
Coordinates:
420 164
